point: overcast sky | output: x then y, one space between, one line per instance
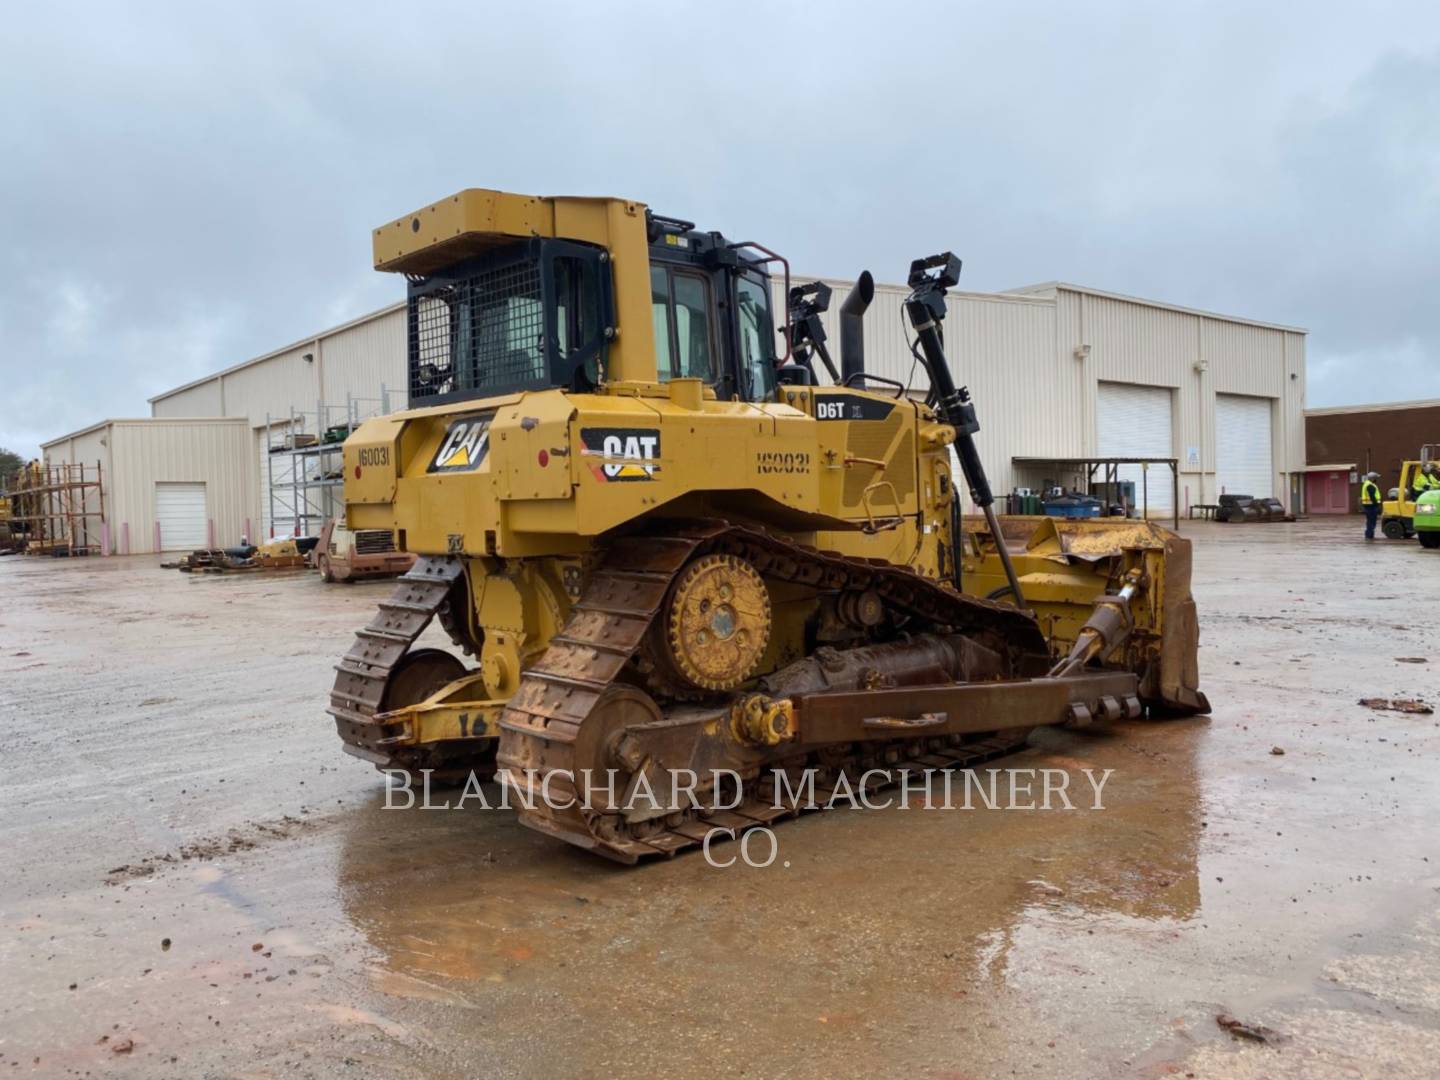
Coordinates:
186 186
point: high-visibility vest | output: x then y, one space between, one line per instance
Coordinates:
1370 493
1423 482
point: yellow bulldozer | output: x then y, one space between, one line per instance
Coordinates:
667 550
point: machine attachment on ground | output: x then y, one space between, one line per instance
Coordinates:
1238 508
283 554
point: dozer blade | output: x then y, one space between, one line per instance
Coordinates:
1065 565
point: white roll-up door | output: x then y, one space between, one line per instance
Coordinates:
1135 422
180 511
1242 446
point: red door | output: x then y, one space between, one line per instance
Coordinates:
1327 492
1339 487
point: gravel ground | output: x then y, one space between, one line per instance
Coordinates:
198 883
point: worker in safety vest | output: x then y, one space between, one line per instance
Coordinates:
1370 502
1424 479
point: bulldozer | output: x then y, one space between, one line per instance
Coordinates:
667 547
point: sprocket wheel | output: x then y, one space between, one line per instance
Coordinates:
717 622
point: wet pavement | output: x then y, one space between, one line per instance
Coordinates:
198 883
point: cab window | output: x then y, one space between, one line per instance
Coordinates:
757 339
680 307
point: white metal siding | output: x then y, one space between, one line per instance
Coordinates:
362 361
180 514
276 386
137 454
1243 446
1001 346
202 399
1135 421
182 451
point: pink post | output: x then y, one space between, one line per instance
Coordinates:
158 548
210 532
248 533
104 538
125 538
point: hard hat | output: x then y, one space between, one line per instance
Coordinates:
1372 476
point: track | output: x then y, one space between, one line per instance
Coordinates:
360 677
570 700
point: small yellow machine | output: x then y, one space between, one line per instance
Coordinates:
7 538
1397 515
668 550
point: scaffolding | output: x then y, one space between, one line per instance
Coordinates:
305 463
59 509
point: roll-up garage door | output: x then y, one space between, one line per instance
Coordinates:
1134 421
1242 446
180 511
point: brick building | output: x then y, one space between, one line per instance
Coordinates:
1342 444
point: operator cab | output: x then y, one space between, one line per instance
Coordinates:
711 307
539 313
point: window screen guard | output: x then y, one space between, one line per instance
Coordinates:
488 326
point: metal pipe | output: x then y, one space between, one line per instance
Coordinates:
1000 549
955 409
852 327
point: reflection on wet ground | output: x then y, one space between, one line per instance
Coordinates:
1294 889
881 939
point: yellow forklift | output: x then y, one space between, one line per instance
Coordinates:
1397 516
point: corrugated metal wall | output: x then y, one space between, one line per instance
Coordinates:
208 451
362 360
202 399
136 454
1198 356
1001 346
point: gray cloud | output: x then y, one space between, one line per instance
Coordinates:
185 188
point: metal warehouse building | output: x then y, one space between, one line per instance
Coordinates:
1058 372
165 485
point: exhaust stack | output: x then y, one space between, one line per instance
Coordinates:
852 327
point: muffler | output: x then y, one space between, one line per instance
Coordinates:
852 327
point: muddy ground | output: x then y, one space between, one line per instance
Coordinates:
198 883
